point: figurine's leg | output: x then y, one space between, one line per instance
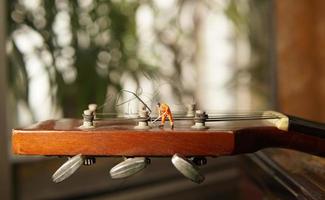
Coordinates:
163 119
171 121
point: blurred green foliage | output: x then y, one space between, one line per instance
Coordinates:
107 51
98 45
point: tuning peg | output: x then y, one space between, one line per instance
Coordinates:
200 119
68 168
88 120
143 121
129 167
187 168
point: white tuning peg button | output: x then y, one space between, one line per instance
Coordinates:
68 168
129 167
188 169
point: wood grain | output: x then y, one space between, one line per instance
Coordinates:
249 140
114 138
63 137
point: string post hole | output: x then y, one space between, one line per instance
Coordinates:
88 119
200 119
143 120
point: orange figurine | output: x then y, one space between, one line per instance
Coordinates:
164 111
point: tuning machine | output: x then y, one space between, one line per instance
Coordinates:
143 120
89 116
129 167
71 166
188 167
200 119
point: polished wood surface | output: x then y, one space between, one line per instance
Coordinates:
119 138
63 137
253 139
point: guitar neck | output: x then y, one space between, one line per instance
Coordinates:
302 135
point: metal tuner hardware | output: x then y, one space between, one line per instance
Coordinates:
129 167
187 168
71 166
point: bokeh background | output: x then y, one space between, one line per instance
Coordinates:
224 55
215 54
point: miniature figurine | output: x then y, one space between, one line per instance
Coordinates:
164 111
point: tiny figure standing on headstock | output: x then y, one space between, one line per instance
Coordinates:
164 111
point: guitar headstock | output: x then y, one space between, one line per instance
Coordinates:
195 136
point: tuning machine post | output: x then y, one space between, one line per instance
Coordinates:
71 166
93 108
88 120
190 110
88 117
143 120
198 160
200 119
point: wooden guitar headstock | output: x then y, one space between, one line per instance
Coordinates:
214 136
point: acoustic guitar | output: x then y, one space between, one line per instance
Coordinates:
196 135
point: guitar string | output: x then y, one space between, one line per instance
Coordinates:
209 119
184 115
177 116
180 116
252 114
210 113
229 116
